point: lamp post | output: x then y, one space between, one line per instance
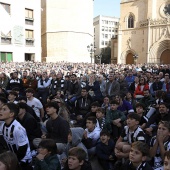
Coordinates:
135 58
91 49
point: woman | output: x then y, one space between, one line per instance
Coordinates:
143 85
9 161
129 98
4 80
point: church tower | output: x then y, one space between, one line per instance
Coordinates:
144 32
67 30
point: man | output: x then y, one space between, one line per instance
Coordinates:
43 88
15 135
82 105
57 127
35 103
29 123
112 87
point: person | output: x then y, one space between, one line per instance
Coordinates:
114 120
131 133
29 123
91 135
77 160
9 161
105 150
57 127
12 97
138 157
159 144
140 110
15 135
43 88
100 116
3 80
47 158
112 87
34 103
167 160
74 140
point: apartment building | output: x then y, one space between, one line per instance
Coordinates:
20 30
105 28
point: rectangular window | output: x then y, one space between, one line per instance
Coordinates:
102 43
106 28
6 56
102 35
29 20
6 39
109 29
102 28
106 42
29 37
106 35
7 7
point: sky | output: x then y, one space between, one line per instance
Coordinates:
107 8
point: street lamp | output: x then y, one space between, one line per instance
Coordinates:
91 49
135 58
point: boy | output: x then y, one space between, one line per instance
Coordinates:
15 135
105 150
12 97
167 160
137 157
114 119
91 135
159 144
140 110
76 160
100 115
131 133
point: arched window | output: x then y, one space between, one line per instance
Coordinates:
131 21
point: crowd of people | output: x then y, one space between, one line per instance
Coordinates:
61 115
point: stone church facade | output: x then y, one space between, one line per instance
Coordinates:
144 31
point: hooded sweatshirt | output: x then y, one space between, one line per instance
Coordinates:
77 135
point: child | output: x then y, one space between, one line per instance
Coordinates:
47 156
76 160
137 157
100 115
15 135
131 133
167 160
91 135
12 97
114 119
159 144
74 140
140 110
105 150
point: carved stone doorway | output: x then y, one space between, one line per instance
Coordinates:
130 59
165 57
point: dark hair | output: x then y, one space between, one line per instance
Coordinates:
142 147
52 104
29 90
22 105
9 159
49 144
92 118
114 102
100 109
104 132
22 98
166 124
77 152
13 108
134 116
165 104
3 99
13 93
140 105
167 154
15 89
95 104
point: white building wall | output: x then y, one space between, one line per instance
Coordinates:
99 23
18 26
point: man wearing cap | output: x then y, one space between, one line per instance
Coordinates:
34 103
